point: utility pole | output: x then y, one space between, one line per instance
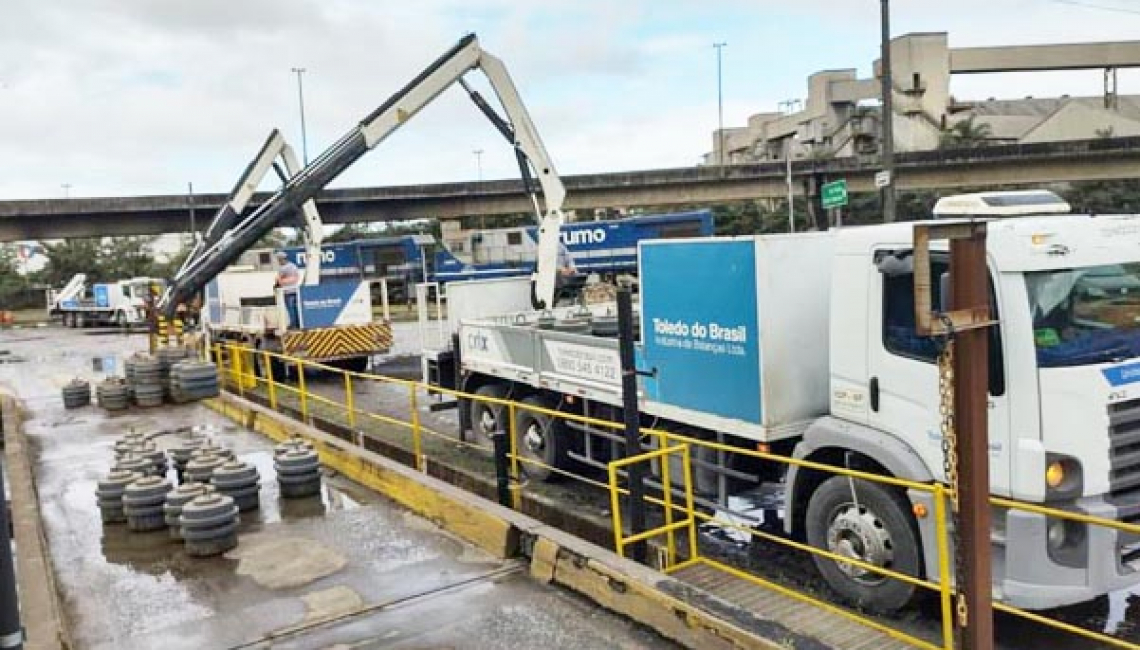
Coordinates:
66 190
301 102
791 198
791 107
719 106
887 147
190 200
479 163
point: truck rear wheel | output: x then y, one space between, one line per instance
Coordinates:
487 418
80 319
541 438
868 522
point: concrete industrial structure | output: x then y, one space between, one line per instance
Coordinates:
841 115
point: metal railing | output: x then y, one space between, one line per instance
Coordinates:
246 371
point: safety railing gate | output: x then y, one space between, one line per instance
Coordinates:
671 526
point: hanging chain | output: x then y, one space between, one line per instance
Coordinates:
949 429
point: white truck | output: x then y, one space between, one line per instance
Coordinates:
806 344
332 321
121 303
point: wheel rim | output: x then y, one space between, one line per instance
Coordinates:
856 532
535 439
488 423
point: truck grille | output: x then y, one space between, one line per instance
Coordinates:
1124 446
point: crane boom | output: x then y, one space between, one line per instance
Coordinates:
230 215
239 234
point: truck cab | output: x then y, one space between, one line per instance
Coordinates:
1064 390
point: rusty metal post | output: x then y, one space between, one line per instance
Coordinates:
969 290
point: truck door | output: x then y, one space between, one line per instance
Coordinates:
902 369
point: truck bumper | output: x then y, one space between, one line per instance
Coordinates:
338 342
1032 573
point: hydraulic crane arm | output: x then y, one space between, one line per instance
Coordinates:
274 153
398 109
230 213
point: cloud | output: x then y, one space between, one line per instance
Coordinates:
121 97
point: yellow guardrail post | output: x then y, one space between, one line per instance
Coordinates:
687 468
271 383
946 590
238 355
615 507
417 443
350 401
302 392
513 441
670 537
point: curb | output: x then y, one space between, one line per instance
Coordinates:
40 605
555 557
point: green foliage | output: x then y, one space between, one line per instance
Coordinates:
966 134
12 285
71 256
1103 197
127 257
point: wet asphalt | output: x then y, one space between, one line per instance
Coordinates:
345 569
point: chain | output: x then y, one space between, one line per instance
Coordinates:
950 462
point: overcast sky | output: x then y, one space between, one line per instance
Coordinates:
135 97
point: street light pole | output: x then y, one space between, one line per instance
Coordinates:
888 144
66 190
719 105
301 102
791 200
190 200
479 163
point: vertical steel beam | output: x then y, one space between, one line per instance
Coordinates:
632 414
970 290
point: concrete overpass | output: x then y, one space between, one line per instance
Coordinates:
1101 159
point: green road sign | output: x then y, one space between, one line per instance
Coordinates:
834 194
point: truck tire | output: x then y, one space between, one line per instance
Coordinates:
80 319
487 418
67 319
121 319
876 527
540 438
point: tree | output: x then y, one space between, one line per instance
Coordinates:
71 256
965 134
127 257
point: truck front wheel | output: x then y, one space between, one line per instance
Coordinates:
869 522
541 438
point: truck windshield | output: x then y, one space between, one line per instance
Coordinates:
1086 315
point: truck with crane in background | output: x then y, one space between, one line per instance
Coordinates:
121 303
326 309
